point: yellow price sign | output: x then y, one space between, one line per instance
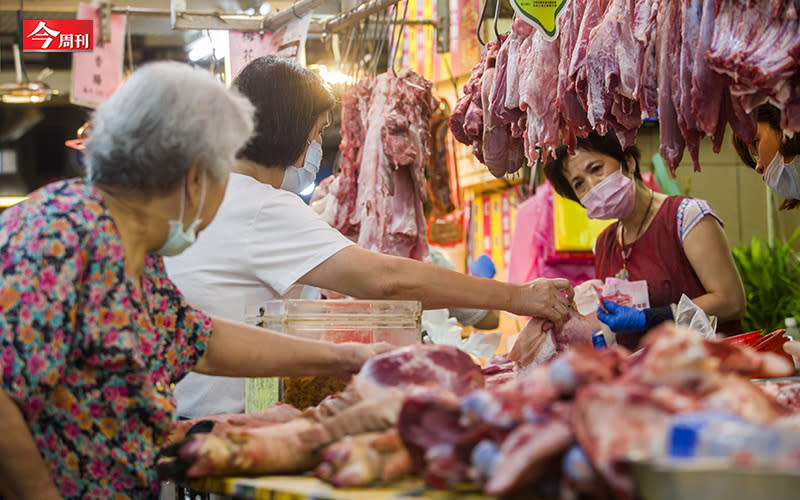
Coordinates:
541 13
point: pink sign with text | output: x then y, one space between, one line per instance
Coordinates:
288 42
97 74
246 46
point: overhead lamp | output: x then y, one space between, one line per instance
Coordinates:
25 92
214 42
334 77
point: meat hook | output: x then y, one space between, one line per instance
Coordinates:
399 36
496 16
480 22
384 34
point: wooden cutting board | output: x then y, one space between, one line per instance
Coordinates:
309 488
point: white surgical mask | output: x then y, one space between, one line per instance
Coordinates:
179 239
782 178
297 180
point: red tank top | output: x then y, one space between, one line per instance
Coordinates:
657 257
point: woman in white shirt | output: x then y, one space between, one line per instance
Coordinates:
265 239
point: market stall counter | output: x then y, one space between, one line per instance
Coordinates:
309 488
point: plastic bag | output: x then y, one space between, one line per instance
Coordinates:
441 329
587 296
687 313
587 300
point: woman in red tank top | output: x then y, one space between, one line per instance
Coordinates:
674 243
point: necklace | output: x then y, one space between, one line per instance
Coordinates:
623 273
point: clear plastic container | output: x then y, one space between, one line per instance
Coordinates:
368 321
394 321
791 328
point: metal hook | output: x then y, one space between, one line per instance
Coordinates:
480 22
399 37
381 21
393 35
213 54
128 43
496 16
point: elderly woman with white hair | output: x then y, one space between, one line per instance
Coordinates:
93 334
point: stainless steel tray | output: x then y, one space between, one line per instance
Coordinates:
777 379
713 480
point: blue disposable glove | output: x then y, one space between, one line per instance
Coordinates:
482 267
622 319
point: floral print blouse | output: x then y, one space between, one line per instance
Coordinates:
88 360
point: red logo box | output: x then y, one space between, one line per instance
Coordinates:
68 35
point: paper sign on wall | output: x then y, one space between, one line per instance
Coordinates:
541 13
97 74
288 42
246 46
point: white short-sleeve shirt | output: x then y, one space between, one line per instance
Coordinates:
261 241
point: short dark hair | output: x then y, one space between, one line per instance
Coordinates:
288 99
607 144
769 114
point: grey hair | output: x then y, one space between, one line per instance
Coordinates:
164 118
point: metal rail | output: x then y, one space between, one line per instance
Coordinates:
364 10
201 20
207 20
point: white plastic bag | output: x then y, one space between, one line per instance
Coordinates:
587 296
687 313
444 330
587 299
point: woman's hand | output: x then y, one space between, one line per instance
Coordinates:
545 298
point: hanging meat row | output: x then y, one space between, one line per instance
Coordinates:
697 65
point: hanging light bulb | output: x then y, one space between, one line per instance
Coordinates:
21 92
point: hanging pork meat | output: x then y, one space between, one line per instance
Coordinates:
376 198
439 200
698 65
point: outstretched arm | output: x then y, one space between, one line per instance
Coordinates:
241 350
369 275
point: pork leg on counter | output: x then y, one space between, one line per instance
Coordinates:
365 459
371 403
275 415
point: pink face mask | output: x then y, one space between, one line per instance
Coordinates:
611 199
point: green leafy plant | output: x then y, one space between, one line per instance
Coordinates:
771 278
